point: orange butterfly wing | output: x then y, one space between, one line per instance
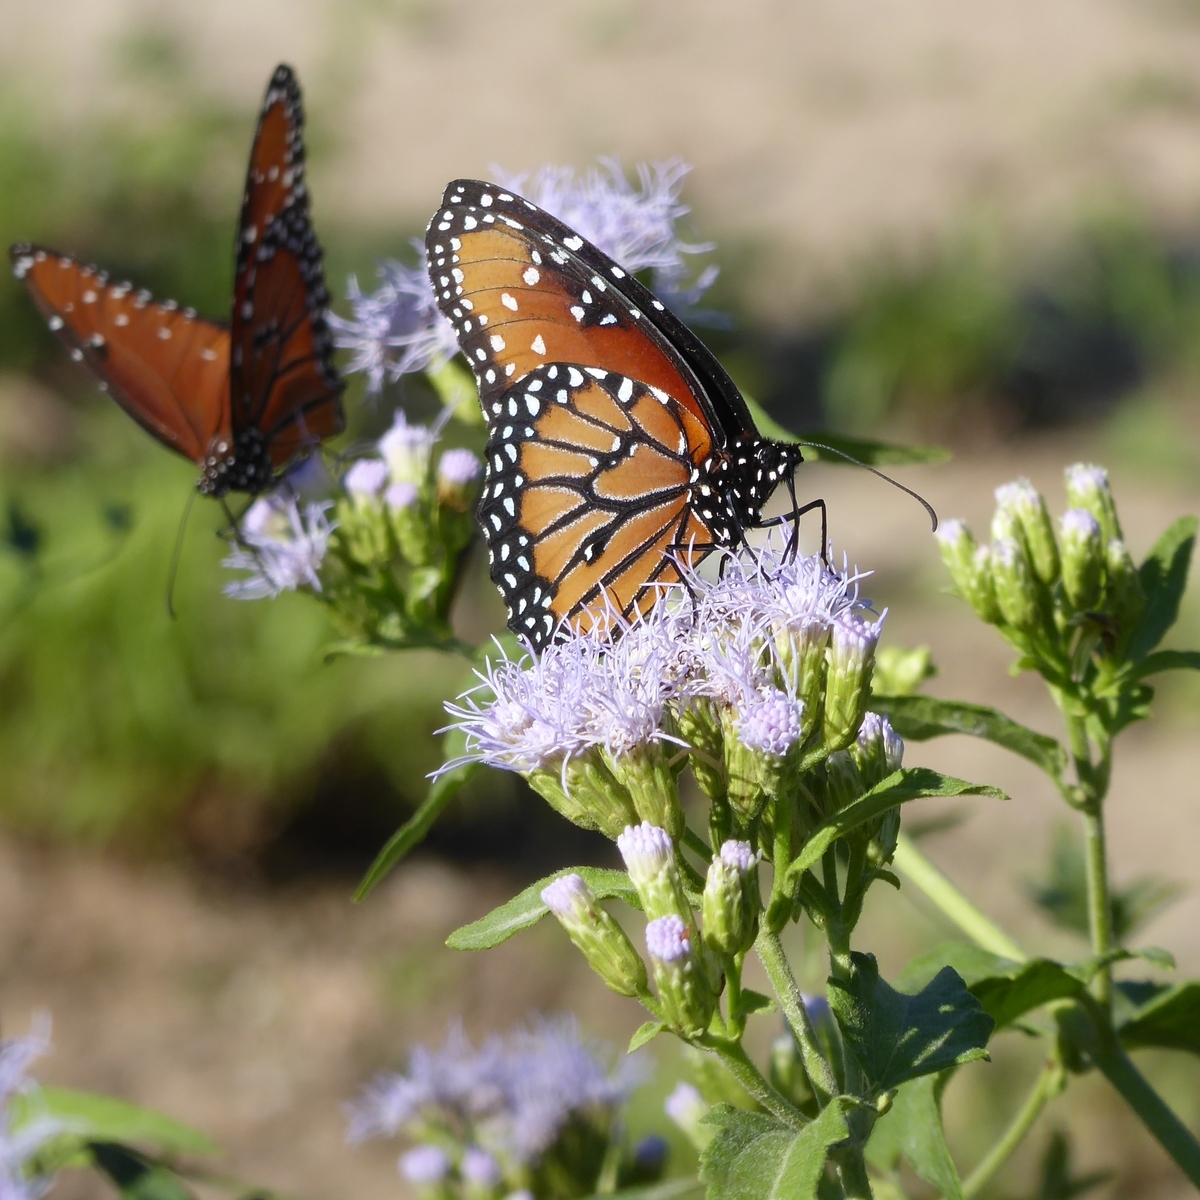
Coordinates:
588 505
243 401
283 381
168 368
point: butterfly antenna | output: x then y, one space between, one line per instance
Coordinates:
933 517
177 554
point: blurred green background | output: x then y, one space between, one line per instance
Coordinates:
979 231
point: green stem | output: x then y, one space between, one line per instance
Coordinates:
852 1174
779 971
751 1078
1049 1084
975 923
1099 901
1174 1137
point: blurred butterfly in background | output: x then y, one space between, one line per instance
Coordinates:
240 400
618 447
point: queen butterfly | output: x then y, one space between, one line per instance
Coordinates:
618 447
243 400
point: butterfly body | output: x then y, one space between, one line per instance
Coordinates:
243 399
618 447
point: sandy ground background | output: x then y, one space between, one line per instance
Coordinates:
823 133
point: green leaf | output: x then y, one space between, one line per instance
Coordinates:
897 1037
645 1033
913 1127
756 1157
1167 660
412 833
1171 1019
871 453
136 1178
898 788
755 1002
1007 990
527 908
105 1119
919 718
1164 577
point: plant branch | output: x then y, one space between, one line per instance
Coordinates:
1049 1084
779 970
973 921
1099 902
738 1063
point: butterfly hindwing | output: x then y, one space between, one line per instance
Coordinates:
588 502
167 367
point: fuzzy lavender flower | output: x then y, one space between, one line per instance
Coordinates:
283 548
396 329
770 723
508 1098
20 1142
399 496
458 468
480 1168
667 939
366 478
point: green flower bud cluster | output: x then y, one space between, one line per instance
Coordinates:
400 526
1057 595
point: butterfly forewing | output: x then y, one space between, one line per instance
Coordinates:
168 368
587 499
521 289
283 380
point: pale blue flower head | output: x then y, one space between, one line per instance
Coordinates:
19 1145
282 547
366 478
407 450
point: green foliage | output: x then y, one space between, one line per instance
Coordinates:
1169 1018
912 1128
1061 893
113 717
1057 1180
757 1157
896 1037
136 1177
527 908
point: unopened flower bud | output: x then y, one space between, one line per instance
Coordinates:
730 906
409 523
687 1108
1125 597
1087 488
969 568
742 776
700 727
365 480
407 450
1082 558
644 771
878 750
1028 510
584 791
1015 587
480 1171
837 783
769 726
649 855
801 651
594 931
425 1166
684 990
457 473
851 662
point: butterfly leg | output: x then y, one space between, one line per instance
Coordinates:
794 517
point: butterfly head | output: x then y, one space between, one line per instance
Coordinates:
755 467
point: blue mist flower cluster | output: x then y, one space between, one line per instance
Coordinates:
21 1138
397 329
502 1118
